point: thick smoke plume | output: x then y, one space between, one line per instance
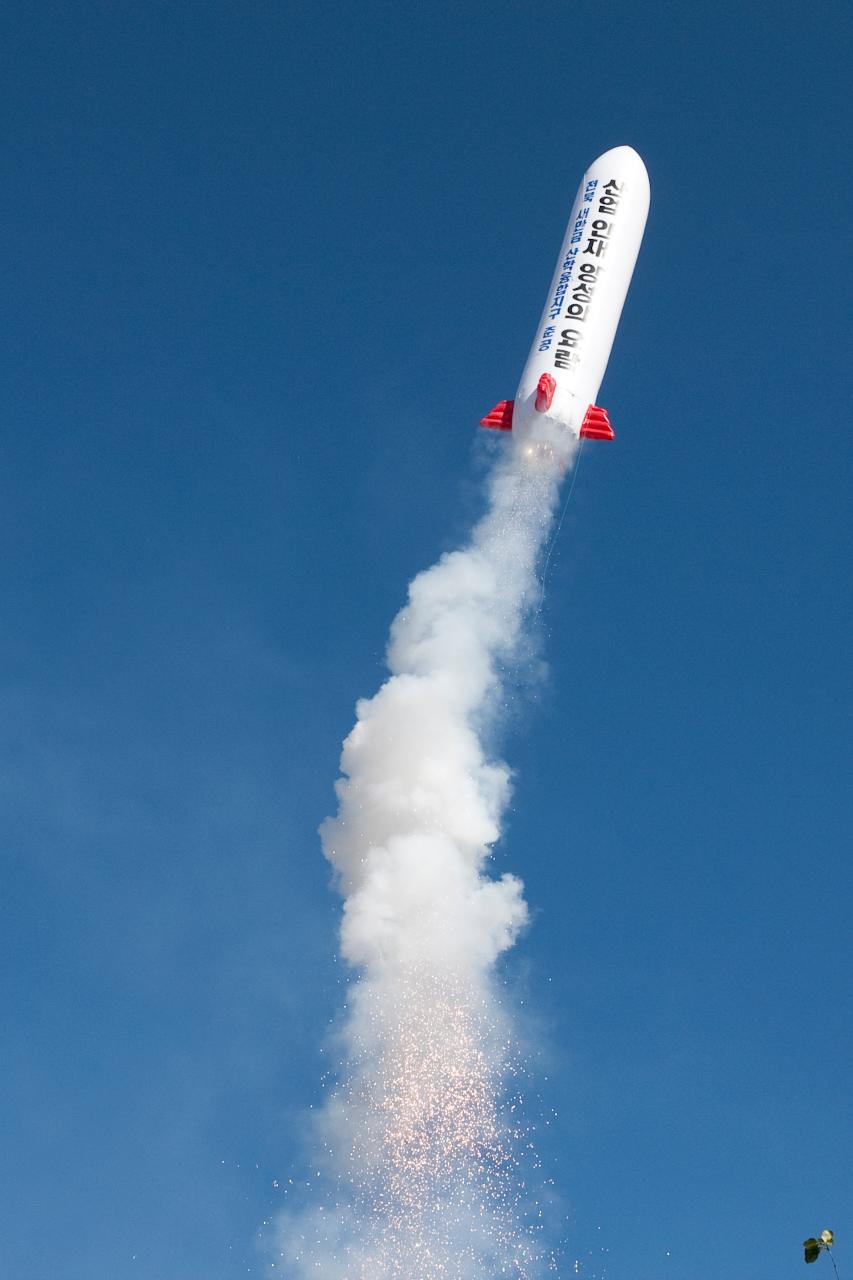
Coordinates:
421 1157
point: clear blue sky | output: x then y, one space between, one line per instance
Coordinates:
264 266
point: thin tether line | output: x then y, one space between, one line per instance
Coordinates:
553 541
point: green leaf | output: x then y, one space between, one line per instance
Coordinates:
812 1249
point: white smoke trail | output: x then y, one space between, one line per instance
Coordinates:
421 1157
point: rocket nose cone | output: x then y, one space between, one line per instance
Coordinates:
627 162
622 155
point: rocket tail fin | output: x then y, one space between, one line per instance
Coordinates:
596 425
499 418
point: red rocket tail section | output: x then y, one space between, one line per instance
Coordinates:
499 418
596 425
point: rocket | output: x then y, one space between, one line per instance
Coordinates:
559 383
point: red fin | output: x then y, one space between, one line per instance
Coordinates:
596 425
545 393
499 418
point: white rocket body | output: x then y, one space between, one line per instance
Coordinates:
560 381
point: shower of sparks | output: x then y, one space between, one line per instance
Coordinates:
439 1187
434 1170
